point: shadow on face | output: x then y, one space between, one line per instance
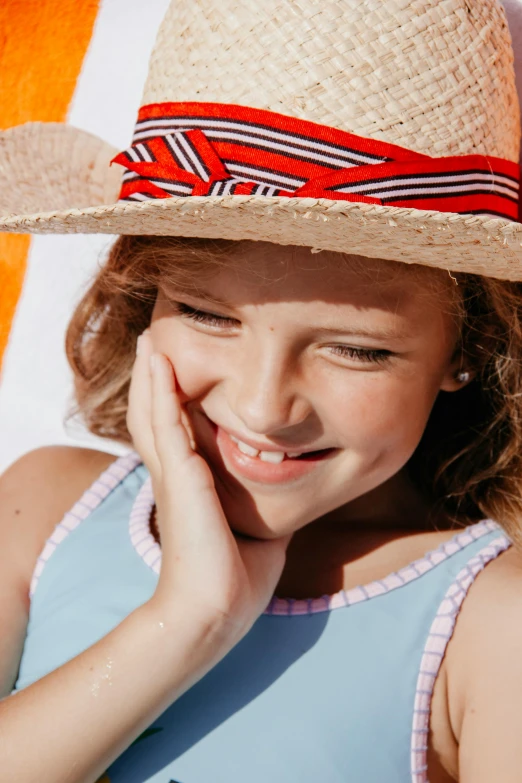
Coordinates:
307 351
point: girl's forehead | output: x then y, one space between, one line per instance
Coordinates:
262 272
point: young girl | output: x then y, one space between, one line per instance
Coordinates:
285 579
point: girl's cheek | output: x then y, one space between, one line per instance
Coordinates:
197 368
383 408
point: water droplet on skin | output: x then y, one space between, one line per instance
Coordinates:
105 677
161 625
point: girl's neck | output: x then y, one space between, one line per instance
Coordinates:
370 538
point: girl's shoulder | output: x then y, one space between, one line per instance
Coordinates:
35 493
483 671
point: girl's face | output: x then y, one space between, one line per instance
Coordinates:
289 351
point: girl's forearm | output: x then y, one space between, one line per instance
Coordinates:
72 724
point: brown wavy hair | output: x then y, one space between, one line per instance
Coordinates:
469 460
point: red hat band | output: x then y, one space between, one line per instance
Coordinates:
208 149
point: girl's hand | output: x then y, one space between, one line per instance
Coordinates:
227 577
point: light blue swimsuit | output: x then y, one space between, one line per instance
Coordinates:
330 690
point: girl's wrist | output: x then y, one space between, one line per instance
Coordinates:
179 625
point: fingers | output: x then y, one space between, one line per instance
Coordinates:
139 409
171 439
161 430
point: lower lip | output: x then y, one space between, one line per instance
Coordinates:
255 469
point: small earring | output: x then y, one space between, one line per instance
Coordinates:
463 377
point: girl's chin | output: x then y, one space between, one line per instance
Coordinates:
259 528
256 520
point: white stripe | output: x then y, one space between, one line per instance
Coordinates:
144 151
134 155
427 183
420 193
190 152
169 186
173 141
93 107
130 175
137 197
506 181
242 170
311 154
221 188
148 128
436 178
48 296
214 190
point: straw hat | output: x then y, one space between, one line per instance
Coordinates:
386 129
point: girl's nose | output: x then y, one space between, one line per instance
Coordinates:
268 395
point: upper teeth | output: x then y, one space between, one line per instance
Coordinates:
265 456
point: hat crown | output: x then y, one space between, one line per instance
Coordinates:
435 76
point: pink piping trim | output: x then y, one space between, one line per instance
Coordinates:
139 527
91 499
150 551
440 633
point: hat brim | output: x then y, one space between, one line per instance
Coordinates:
57 180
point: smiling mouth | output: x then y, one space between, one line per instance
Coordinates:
276 457
249 451
314 454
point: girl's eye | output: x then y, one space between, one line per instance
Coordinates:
361 354
202 317
221 322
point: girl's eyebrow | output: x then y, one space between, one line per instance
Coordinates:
377 334
199 294
381 333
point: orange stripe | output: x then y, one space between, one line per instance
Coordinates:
43 46
13 260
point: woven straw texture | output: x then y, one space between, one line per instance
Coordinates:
435 76
54 166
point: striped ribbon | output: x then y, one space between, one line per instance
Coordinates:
208 149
